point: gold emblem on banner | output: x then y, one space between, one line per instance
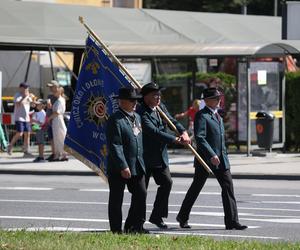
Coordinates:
93 66
96 110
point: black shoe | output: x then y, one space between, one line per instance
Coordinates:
50 157
54 159
39 159
236 226
159 223
183 224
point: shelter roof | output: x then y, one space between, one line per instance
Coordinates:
140 32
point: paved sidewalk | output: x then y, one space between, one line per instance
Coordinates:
274 166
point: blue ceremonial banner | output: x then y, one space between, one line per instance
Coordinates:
99 80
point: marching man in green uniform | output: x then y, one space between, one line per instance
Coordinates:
155 139
210 139
126 165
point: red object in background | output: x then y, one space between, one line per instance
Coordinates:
290 64
259 128
6 119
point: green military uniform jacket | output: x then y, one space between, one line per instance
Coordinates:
156 136
124 148
210 138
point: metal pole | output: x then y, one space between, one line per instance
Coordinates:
62 60
28 66
284 21
194 77
248 108
51 63
283 103
275 7
244 9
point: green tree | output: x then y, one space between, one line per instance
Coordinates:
254 7
189 5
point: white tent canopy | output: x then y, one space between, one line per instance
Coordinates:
141 32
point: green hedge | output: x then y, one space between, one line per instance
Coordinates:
203 77
228 85
293 111
228 82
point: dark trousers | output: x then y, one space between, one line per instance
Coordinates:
137 212
229 203
162 178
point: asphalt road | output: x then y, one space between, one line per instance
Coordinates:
271 208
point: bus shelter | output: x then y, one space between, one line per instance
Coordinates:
261 87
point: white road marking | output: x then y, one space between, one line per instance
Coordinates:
275 220
279 220
202 193
222 235
58 202
276 195
172 192
280 202
58 229
51 218
217 214
27 188
95 190
93 220
150 205
221 214
243 208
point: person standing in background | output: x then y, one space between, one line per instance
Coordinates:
22 100
51 99
190 113
38 121
59 129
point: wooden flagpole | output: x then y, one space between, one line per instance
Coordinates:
137 85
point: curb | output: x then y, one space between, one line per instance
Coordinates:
38 172
173 174
244 176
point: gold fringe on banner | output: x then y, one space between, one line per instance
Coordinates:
91 165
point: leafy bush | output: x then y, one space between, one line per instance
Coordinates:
228 82
293 111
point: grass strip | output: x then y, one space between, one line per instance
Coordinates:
69 240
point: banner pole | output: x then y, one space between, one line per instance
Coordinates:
137 84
